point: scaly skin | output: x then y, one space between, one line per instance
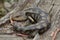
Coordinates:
42 25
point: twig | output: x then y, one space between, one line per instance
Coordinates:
21 35
11 20
54 34
37 37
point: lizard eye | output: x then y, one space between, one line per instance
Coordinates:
28 13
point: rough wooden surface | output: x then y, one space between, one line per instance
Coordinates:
50 6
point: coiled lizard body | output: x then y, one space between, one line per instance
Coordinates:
37 22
